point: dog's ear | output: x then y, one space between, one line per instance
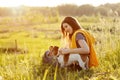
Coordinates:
50 48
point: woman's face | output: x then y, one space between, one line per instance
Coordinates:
67 28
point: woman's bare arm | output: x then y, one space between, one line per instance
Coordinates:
83 50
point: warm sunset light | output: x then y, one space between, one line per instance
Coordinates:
59 39
50 3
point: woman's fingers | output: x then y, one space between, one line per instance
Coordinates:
63 51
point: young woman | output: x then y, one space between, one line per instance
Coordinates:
79 40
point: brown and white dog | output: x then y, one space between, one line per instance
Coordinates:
66 59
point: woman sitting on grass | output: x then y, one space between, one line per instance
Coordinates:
79 41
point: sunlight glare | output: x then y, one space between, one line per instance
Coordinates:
11 3
17 10
15 3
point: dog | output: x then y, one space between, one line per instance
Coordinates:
66 59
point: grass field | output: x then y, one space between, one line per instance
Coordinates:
36 39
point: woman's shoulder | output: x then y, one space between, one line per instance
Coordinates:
79 36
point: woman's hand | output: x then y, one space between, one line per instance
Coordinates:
64 51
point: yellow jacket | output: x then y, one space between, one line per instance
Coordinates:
90 41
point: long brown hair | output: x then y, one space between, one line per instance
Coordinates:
73 23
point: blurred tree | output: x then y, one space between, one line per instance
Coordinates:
68 9
45 14
86 10
102 10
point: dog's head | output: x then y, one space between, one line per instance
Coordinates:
53 50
